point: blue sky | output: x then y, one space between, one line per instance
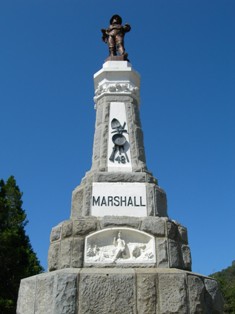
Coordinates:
185 53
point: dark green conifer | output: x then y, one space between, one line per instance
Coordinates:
17 258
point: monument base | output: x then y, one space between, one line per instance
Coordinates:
124 291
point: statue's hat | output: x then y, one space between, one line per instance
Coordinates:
116 16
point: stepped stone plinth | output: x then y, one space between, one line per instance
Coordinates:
119 252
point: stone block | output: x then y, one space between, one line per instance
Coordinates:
44 297
78 252
65 296
172 293
136 113
77 201
67 229
161 202
99 115
140 141
87 199
107 292
175 257
186 256
162 253
154 225
55 233
119 291
112 221
96 147
119 177
146 293
84 226
118 98
53 256
196 295
214 299
172 230
151 199
183 234
25 305
66 252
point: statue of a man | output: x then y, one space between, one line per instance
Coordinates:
114 36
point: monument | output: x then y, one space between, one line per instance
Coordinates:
119 252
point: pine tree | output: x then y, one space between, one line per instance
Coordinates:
17 258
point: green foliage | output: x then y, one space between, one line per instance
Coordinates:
226 279
17 258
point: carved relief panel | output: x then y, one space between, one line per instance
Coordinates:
119 158
120 246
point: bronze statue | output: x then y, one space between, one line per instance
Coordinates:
114 37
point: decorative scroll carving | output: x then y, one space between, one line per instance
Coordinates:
120 246
116 88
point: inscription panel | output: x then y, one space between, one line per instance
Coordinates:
119 199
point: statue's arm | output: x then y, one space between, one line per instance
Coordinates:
104 35
127 28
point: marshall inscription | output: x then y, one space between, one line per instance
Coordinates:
119 199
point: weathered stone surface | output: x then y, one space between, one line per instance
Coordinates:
66 252
214 298
119 177
172 294
83 226
196 294
77 257
154 225
99 115
55 233
96 147
186 256
67 229
107 292
117 98
77 201
162 253
183 234
141 151
87 199
53 256
44 297
111 221
65 296
161 202
172 230
175 257
169 253
119 291
123 177
27 288
151 199
49 293
146 293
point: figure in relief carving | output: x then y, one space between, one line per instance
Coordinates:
114 36
120 244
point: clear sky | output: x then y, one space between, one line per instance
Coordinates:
184 51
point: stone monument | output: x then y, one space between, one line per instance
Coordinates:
119 252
